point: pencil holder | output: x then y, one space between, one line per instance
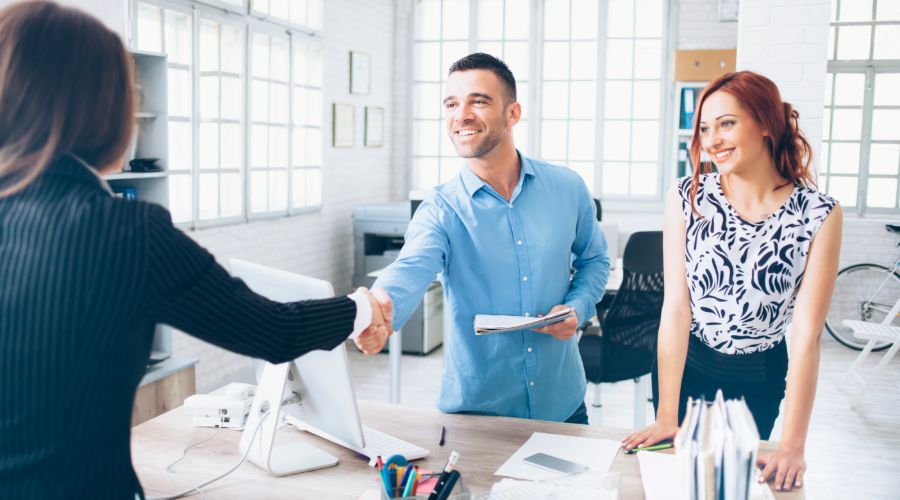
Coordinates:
460 492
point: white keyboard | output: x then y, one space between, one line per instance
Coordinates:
379 443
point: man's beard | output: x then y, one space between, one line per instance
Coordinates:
485 146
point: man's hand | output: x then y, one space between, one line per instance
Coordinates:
386 305
372 339
562 330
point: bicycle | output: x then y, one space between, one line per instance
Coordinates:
864 292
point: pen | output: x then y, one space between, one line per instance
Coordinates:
392 479
661 446
406 475
384 478
411 480
448 487
443 435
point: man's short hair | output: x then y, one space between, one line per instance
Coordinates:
480 60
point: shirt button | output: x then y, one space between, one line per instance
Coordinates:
531 383
518 242
530 349
524 278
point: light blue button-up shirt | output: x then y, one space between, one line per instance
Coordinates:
513 258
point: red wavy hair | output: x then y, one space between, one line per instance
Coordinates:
760 97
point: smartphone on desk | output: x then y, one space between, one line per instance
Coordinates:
555 464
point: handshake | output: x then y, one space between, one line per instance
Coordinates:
372 339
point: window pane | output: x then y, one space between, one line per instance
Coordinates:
490 14
884 159
829 80
822 160
643 179
583 102
149 28
230 196
650 21
645 143
618 58
455 19
426 136
581 140
826 124
846 124
428 20
584 60
179 92
232 98
520 136
516 57
231 146
426 170
886 124
178 37
620 19
447 148
887 42
647 58
180 147
315 66
258 191
888 11
298 188
844 189
314 104
881 193
209 145
493 48
209 46
301 60
556 60
209 97
259 143
518 19
853 42
617 101
615 178
849 89
209 196
451 52
844 158
278 190
556 100
259 97
553 140
280 61
556 19
232 44
278 147
886 86
428 62
314 147
181 198
646 99
584 19
856 10
260 57
278 103
522 98
428 100
616 140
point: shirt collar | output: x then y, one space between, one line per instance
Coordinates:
473 183
74 168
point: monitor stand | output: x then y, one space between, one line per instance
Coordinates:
286 458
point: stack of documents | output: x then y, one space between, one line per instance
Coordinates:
715 450
488 323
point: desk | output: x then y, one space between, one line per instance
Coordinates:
484 443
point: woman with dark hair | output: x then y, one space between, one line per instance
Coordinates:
85 277
748 251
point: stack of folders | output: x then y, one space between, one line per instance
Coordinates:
715 449
489 323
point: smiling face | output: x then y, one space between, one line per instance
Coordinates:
730 135
477 112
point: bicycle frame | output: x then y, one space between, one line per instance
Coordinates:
870 304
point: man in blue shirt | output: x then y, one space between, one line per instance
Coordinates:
506 234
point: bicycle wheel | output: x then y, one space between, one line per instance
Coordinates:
855 297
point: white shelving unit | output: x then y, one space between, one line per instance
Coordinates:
684 131
151 141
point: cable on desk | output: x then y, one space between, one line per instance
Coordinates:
171 467
229 471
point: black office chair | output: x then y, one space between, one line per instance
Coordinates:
629 325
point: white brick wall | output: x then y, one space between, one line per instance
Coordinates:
320 244
699 26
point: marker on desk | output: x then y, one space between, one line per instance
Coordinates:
406 473
444 481
411 480
661 446
443 435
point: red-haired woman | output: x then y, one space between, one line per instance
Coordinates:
748 251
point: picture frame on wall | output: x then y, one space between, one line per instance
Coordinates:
343 125
374 119
728 10
360 73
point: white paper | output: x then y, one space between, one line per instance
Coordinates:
597 454
584 486
658 476
492 323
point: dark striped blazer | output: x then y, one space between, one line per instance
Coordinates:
84 279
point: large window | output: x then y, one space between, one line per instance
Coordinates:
257 82
573 52
860 159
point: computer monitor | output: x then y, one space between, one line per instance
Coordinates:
313 391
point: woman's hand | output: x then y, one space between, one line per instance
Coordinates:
648 436
786 465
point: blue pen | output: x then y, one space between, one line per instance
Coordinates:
403 479
392 480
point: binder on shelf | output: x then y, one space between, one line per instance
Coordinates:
684 160
688 98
